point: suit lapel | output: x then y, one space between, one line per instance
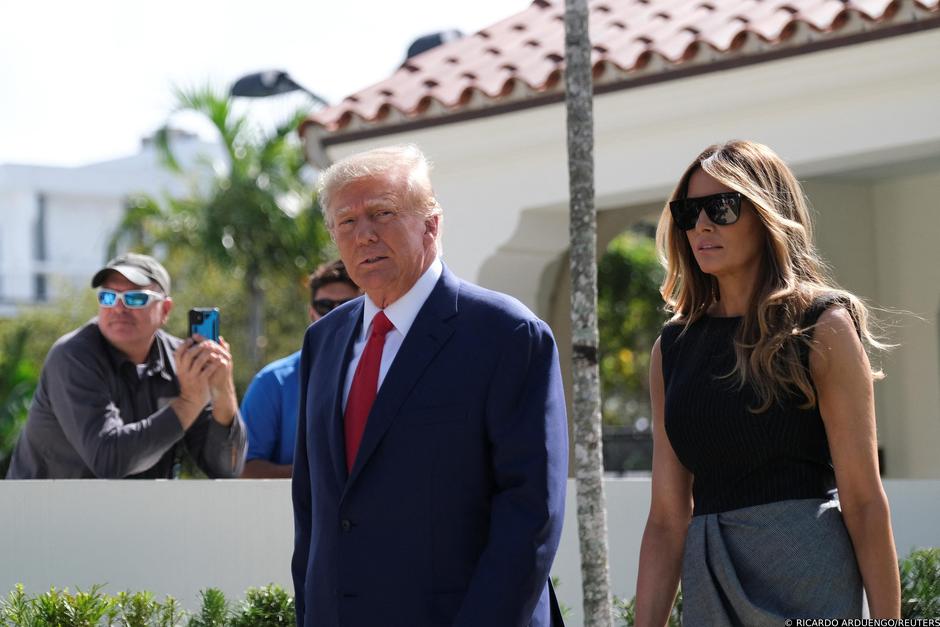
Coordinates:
429 333
342 344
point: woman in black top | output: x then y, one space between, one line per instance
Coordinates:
762 403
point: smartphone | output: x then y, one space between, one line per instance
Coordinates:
205 322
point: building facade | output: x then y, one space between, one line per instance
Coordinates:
57 222
847 95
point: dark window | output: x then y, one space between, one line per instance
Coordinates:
39 235
40 293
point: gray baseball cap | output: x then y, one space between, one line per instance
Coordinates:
141 270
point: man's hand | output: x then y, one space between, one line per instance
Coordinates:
196 363
221 384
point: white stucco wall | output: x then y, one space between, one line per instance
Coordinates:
878 231
907 224
178 537
168 537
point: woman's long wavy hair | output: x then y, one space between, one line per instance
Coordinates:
771 338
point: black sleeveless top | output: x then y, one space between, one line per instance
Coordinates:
737 458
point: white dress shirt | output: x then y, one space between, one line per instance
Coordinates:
402 314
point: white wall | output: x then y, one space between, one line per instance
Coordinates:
907 224
177 537
170 537
878 230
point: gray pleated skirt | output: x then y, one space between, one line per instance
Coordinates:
760 565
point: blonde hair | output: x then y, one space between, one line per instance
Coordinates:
404 164
771 338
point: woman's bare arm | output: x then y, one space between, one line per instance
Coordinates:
668 521
842 376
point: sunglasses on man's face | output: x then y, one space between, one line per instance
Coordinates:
722 209
324 306
132 299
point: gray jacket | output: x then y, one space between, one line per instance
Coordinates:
94 416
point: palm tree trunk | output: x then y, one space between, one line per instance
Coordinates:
589 469
255 318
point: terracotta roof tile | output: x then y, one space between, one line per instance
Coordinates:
522 56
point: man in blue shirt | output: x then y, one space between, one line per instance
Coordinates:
269 407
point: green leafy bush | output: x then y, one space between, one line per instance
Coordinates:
629 317
268 606
564 609
141 609
18 378
920 584
625 611
215 610
24 342
58 608
16 609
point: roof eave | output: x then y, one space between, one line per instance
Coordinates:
317 138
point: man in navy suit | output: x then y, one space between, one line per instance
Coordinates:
431 463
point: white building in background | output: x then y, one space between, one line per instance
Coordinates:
56 222
847 93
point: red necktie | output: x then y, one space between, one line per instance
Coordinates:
364 386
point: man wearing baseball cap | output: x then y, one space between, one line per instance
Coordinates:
121 397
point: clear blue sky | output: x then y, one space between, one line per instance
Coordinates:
84 81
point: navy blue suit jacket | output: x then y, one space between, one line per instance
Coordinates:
453 510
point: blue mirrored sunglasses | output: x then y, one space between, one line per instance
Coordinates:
132 299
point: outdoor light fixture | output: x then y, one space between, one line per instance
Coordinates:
270 83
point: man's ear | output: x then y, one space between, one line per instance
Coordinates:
432 225
167 305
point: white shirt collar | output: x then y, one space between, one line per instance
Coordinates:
402 312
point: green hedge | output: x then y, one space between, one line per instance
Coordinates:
269 606
920 584
272 606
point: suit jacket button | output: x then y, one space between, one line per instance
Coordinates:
346 525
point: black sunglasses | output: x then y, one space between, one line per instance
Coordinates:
722 209
324 306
